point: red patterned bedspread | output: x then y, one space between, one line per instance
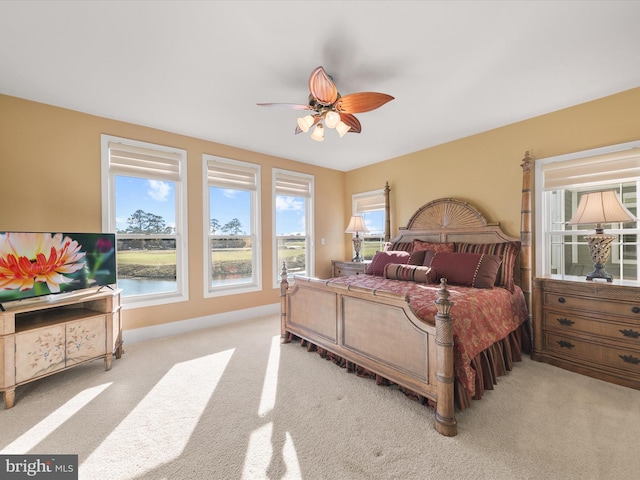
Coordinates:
481 317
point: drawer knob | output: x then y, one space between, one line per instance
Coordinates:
630 359
565 344
630 333
565 321
561 299
635 309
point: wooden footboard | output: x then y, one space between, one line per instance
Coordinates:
378 331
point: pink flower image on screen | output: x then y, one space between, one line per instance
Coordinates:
28 258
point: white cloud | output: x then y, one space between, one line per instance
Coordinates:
229 193
288 203
159 190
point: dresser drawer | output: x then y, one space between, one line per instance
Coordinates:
613 357
574 322
342 269
592 305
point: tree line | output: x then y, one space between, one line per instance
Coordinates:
141 222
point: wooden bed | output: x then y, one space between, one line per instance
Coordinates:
379 331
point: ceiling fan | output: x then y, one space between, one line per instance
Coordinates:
330 108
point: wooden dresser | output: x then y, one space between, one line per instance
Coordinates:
340 268
589 327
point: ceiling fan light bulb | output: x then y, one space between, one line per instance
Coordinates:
332 119
305 123
342 128
318 133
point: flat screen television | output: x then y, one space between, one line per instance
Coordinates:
33 264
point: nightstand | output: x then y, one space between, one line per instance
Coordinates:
341 268
588 327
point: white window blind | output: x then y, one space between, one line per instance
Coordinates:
368 202
293 186
144 162
234 176
597 169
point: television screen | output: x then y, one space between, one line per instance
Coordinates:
33 264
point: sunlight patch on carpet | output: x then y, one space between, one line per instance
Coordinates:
158 429
270 385
263 452
39 432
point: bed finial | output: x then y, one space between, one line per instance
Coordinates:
446 423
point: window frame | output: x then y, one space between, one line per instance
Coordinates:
255 227
376 199
544 231
180 235
276 173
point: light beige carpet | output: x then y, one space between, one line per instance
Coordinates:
230 402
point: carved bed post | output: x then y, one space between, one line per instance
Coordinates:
284 286
526 252
445 376
387 213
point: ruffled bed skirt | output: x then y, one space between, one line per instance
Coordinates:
490 364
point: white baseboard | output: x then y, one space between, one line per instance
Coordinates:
166 329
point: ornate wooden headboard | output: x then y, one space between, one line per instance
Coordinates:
452 220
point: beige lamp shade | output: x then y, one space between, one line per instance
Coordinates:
599 208
356 225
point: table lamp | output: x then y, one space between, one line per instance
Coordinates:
356 225
599 208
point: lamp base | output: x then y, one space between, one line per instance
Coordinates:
357 245
599 248
599 273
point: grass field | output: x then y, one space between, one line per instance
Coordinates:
168 257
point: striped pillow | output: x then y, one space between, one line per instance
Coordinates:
398 246
508 251
410 273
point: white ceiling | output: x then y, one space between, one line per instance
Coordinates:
198 68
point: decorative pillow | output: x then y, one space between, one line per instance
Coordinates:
398 246
508 251
435 247
410 273
417 258
381 259
477 270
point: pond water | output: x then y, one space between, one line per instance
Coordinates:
141 286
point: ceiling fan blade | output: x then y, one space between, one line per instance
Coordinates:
293 106
362 102
322 87
352 121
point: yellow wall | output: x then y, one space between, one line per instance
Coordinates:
484 169
50 181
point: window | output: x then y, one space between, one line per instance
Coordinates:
145 204
293 223
560 183
231 226
371 206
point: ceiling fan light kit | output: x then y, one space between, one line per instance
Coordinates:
318 133
330 108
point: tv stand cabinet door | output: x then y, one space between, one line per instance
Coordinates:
86 339
39 352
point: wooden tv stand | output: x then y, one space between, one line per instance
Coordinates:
45 336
